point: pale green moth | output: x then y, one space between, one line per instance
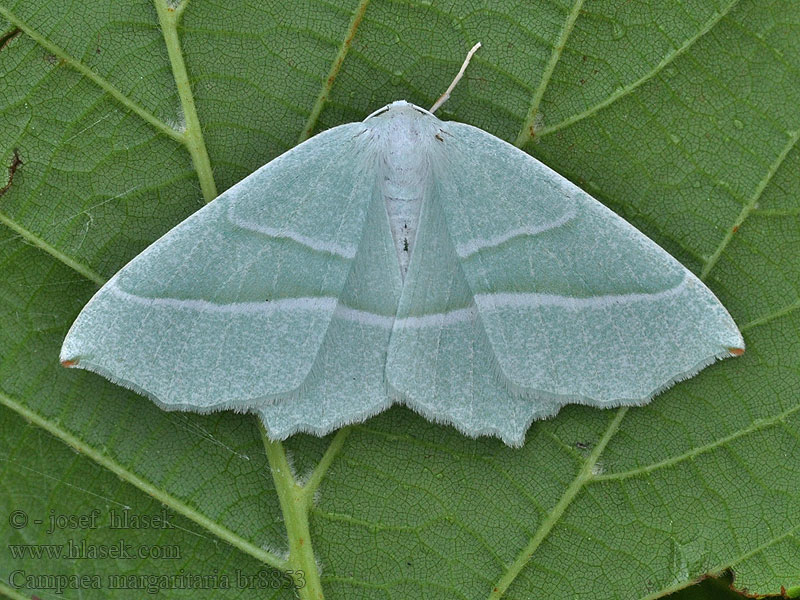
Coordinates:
402 259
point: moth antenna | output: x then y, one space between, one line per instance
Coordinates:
443 98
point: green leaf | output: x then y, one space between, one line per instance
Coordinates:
120 118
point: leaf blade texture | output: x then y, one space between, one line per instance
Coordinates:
680 118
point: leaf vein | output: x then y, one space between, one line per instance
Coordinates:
526 133
177 505
627 89
721 567
92 76
51 250
757 425
310 487
580 480
781 312
751 204
338 60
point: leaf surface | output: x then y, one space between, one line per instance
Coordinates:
682 117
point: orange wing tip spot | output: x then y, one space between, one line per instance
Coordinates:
69 363
736 351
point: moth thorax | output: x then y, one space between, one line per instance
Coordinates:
405 162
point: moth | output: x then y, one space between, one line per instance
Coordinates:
402 259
